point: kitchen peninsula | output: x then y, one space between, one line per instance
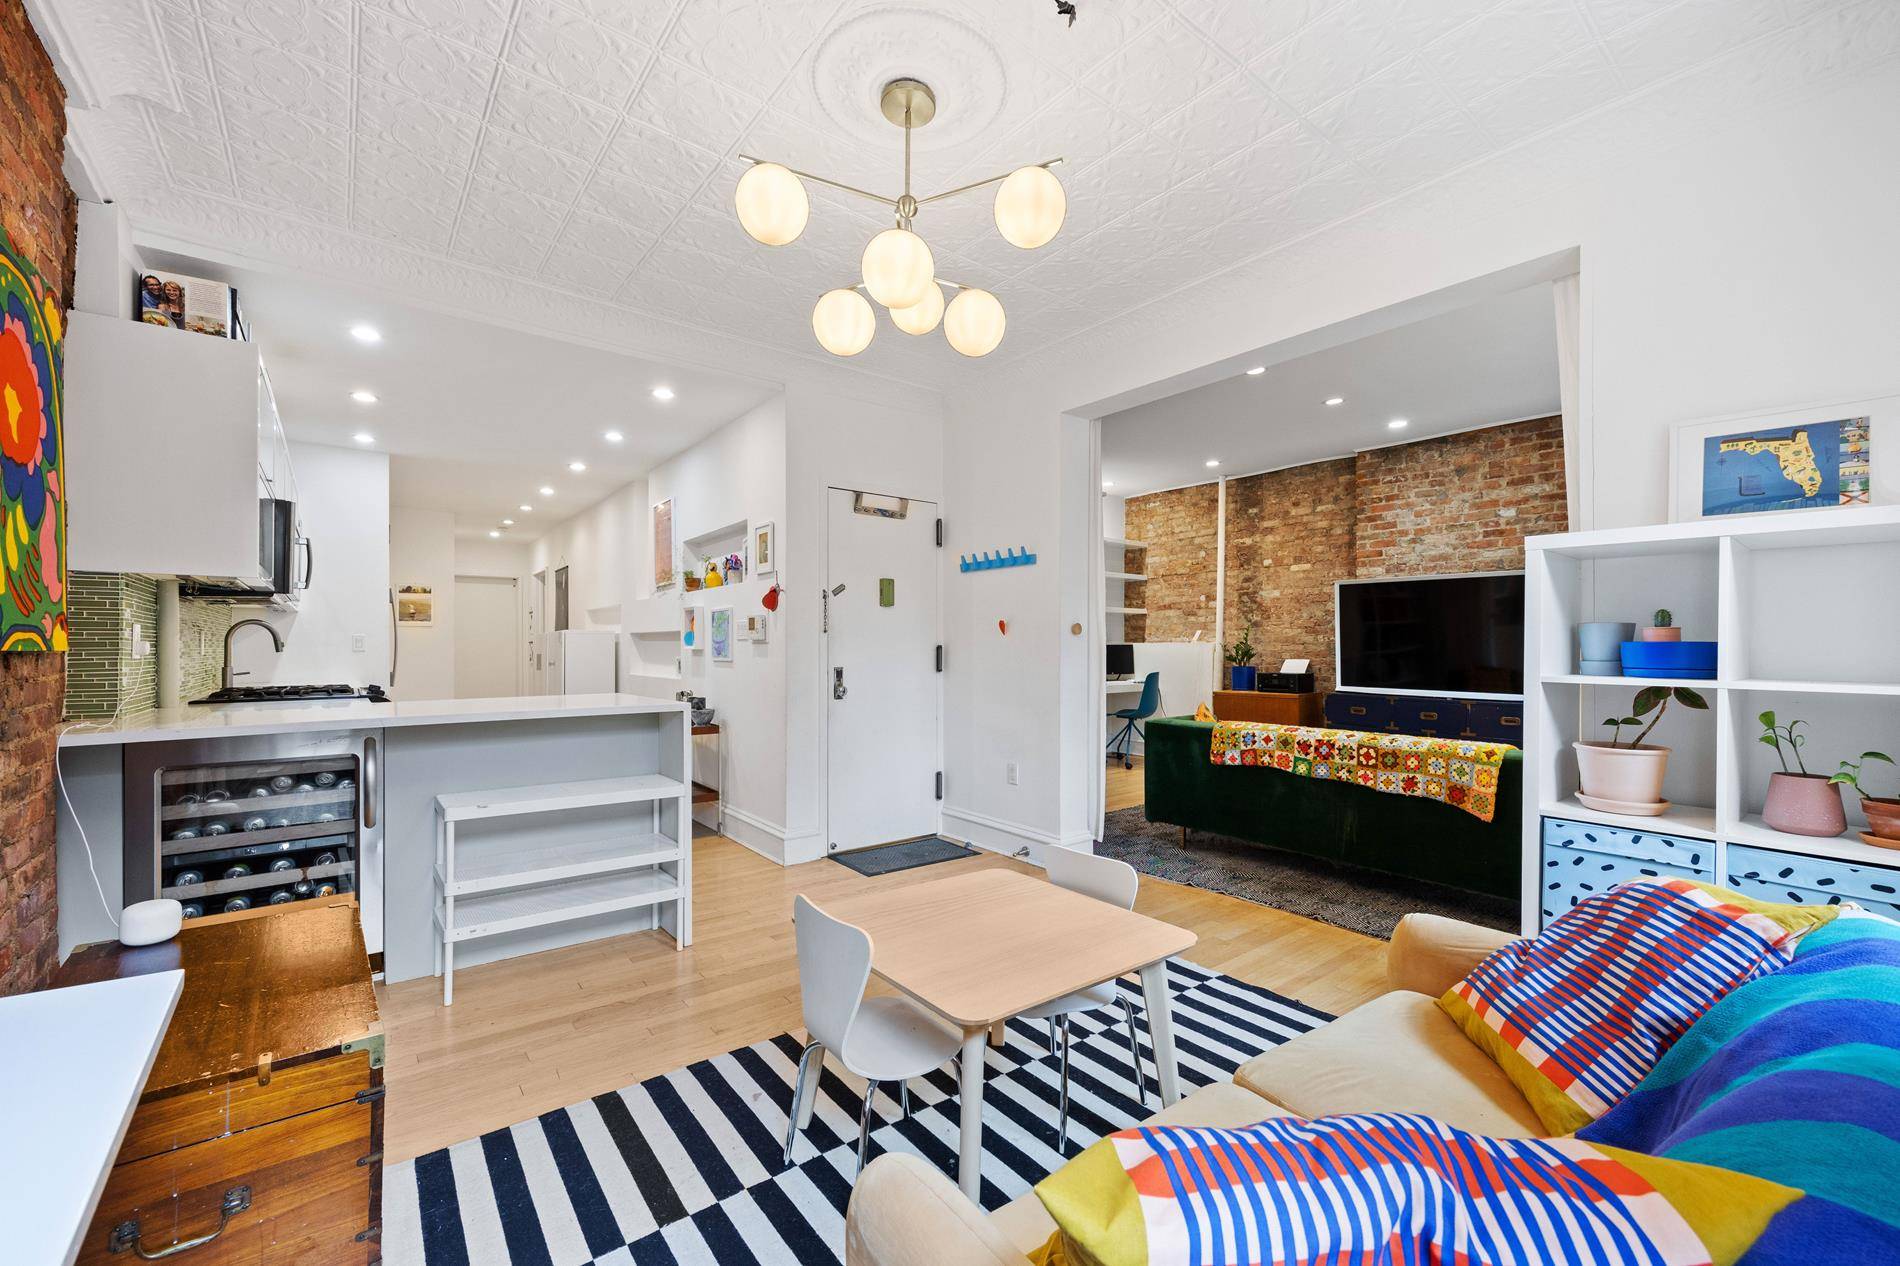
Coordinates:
143 786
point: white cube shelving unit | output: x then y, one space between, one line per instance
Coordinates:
1803 611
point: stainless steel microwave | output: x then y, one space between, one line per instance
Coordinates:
284 562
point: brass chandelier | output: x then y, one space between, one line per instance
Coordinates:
897 269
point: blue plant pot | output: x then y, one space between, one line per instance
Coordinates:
1243 676
1598 640
1695 660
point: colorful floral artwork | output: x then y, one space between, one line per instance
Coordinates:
33 498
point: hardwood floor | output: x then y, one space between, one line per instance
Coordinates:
527 1035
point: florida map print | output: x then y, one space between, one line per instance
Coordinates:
1787 468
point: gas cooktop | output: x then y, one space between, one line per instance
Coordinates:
293 694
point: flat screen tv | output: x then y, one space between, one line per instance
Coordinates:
1434 635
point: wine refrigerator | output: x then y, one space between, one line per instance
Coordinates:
233 824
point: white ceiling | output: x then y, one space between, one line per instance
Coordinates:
1495 361
589 145
476 418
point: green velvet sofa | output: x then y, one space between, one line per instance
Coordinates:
1341 822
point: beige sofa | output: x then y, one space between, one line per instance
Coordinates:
1397 1053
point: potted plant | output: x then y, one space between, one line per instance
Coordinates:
1632 773
1798 802
1662 630
1240 670
1883 812
1600 646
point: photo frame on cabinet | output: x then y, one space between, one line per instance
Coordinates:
1810 457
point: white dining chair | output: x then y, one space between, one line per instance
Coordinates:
1105 879
880 1039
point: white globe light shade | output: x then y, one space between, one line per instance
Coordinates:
921 318
843 322
772 204
1030 205
898 268
974 322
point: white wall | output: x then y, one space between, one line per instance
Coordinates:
343 498
605 550
478 557
422 552
1731 225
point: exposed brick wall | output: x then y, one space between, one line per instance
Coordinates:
1178 527
1460 503
1457 503
1289 537
37 212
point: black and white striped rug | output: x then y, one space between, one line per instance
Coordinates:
687 1167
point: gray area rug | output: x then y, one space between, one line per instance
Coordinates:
1344 896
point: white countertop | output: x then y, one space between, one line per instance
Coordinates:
231 720
74 1062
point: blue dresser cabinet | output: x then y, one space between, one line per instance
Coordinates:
1582 859
1772 876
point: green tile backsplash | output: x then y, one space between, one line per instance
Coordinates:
102 677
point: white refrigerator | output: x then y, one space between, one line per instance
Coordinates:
581 662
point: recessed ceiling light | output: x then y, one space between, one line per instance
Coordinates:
1334 401
546 491
526 508
366 334
1256 371
1398 424
577 467
662 393
364 437
507 522
1213 462
363 397
493 534
612 437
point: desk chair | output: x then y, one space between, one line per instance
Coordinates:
1123 744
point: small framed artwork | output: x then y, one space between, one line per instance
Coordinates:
664 568
691 625
721 627
415 606
764 549
1808 458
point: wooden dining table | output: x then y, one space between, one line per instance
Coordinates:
979 947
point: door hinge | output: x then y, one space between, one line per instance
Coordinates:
939 533
939 656
371 1095
939 784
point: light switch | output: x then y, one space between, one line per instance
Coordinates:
359 643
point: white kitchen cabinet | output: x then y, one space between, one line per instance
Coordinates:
163 451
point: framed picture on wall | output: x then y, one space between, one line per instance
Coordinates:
721 618
664 568
415 606
691 635
764 549
1808 458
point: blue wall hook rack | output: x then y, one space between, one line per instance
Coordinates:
987 561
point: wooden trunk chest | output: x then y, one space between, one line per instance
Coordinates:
259 1137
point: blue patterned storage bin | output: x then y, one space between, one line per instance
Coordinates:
1775 876
1581 859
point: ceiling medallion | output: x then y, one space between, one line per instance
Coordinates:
897 270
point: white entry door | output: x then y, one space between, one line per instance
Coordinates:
883 628
487 636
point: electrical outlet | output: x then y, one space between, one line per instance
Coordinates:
1012 773
359 643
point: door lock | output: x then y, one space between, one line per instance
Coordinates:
837 683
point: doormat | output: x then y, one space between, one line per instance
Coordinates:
1314 888
888 859
688 1168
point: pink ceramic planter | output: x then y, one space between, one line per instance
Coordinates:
1804 804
